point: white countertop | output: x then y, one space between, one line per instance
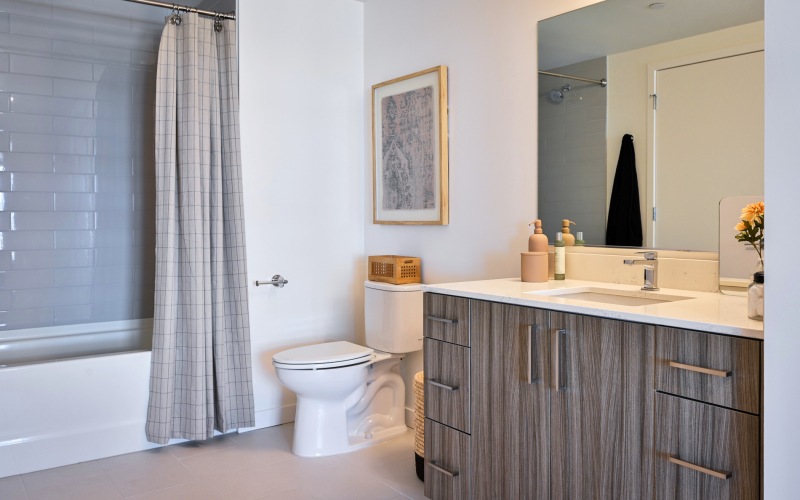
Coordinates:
709 312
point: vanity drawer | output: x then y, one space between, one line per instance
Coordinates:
717 369
704 451
447 318
446 462
447 383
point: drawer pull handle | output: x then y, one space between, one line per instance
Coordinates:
700 369
443 471
531 353
561 359
710 472
443 320
443 386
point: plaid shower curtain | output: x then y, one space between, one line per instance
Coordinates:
201 377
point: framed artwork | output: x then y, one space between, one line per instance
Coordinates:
409 144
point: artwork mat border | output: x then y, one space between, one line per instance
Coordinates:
440 214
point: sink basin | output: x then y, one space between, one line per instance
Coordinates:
611 296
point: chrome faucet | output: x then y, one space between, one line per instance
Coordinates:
650 263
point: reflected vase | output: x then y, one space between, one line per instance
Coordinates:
755 292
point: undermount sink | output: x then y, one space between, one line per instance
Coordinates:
611 296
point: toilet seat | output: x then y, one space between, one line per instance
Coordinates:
322 356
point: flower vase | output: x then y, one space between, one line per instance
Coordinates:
759 267
755 297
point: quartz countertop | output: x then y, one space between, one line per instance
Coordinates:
704 311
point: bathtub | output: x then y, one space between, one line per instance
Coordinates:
56 411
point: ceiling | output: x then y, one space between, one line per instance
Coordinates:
615 26
215 5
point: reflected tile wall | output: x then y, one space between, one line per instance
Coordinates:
77 195
572 153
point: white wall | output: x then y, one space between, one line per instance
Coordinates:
301 87
490 51
782 175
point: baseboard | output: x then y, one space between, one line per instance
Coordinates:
273 417
411 417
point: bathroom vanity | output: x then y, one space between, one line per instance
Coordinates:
533 392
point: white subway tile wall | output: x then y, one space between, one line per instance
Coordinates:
77 180
572 153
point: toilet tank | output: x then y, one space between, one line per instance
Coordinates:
393 316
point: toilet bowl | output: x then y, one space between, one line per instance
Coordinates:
350 396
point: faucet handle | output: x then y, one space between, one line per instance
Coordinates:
649 255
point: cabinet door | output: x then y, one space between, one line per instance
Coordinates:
704 451
601 408
510 431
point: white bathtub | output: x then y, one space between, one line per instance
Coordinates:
62 412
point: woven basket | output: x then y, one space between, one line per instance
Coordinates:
419 424
394 269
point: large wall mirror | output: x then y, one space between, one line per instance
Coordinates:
685 80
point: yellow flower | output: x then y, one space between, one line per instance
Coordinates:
751 211
751 227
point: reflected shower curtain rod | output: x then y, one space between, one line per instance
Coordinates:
185 8
602 83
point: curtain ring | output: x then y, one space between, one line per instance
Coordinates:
218 23
175 18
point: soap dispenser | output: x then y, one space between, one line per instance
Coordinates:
538 240
569 239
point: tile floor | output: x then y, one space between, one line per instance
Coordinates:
252 465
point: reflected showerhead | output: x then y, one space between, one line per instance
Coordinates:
556 96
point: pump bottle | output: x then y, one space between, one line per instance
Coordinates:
569 239
538 240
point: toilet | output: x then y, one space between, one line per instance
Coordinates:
350 396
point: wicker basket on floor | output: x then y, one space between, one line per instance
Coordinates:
419 424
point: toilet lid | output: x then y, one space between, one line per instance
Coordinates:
328 353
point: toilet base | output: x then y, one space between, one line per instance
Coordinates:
372 414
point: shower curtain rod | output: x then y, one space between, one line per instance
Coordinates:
602 82
185 8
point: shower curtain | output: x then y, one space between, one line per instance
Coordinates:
201 378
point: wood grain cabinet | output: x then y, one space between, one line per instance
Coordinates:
447 366
528 403
602 408
510 400
708 427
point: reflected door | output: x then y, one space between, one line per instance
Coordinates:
708 144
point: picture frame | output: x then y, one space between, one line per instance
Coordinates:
409 149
